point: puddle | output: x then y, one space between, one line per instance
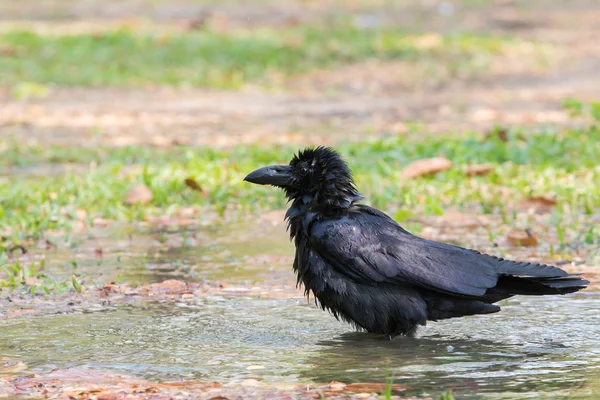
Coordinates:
535 347
241 254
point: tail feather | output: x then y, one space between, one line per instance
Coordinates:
567 284
527 269
539 286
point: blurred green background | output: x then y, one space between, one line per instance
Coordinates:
182 98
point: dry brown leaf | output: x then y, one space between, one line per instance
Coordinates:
32 281
334 385
8 51
191 183
170 286
500 133
139 194
188 212
540 203
425 166
100 222
522 238
479 169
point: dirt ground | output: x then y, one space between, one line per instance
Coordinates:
366 99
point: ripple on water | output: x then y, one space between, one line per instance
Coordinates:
535 346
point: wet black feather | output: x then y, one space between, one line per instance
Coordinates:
367 270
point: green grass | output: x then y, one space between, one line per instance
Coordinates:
33 278
447 395
562 165
212 58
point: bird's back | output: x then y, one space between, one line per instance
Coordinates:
366 269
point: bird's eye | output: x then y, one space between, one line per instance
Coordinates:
303 171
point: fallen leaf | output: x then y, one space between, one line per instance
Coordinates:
425 166
500 133
522 238
191 183
538 203
188 212
32 281
100 222
479 169
170 286
334 385
139 194
8 51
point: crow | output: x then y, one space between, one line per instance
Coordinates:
367 270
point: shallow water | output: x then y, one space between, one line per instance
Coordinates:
541 346
245 255
548 346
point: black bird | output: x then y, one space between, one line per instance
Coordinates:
367 270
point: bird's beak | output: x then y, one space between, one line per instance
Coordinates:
276 175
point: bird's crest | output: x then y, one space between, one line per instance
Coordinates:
323 180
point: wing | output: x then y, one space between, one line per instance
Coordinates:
369 247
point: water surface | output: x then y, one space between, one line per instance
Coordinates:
535 347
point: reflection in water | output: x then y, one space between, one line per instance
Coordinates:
534 347
429 364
